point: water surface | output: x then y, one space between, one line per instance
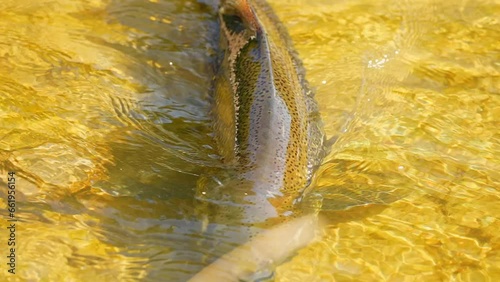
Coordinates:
104 115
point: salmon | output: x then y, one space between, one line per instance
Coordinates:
270 136
267 125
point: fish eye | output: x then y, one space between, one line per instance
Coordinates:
234 23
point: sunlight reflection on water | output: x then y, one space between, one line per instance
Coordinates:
105 118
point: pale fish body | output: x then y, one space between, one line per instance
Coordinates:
270 134
267 124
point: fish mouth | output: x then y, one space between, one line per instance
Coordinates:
239 18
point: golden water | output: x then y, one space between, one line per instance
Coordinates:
104 117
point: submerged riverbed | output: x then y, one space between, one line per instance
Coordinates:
104 117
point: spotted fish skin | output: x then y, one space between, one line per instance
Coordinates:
267 123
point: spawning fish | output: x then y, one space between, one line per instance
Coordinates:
267 124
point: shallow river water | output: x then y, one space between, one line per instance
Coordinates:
104 117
